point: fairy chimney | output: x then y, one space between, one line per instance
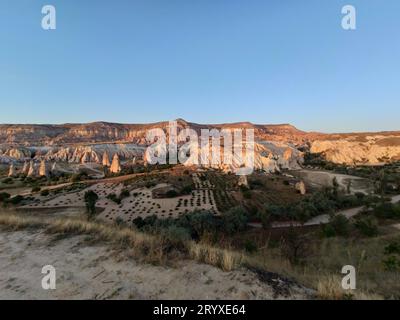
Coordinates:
31 170
115 165
43 171
106 159
25 168
11 171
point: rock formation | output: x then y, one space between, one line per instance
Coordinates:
115 165
301 187
32 169
106 159
25 168
243 181
43 171
11 170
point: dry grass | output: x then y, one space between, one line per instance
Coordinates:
225 259
321 272
148 248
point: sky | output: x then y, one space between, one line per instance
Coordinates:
207 61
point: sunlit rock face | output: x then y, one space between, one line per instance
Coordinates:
11 171
43 169
32 169
365 149
115 165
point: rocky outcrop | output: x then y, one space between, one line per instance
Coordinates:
115 165
43 170
243 181
32 169
301 187
12 171
356 150
106 159
25 168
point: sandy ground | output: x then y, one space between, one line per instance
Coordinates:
100 272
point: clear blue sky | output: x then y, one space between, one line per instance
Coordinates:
207 61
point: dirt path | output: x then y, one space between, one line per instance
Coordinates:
101 272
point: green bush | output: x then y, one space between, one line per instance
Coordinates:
387 210
393 248
175 236
234 220
113 197
16 200
4 196
391 263
44 193
90 200
124 194
8 180
198 223
35 189
250 246
171 194
187 189
341 225
368 226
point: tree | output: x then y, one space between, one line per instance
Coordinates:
90 200
348 187
335 186
234 220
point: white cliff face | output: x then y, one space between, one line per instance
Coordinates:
115 165
369 150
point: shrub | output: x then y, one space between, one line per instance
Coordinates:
44 193
387 210
295 246
328 231
124 194
175 236
7 180
234 220
393 248
4 196
35 189
171 194
187 189
113 197
198 223
250 246
391 263
340 224
16 200
138 222
90 200
368 226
